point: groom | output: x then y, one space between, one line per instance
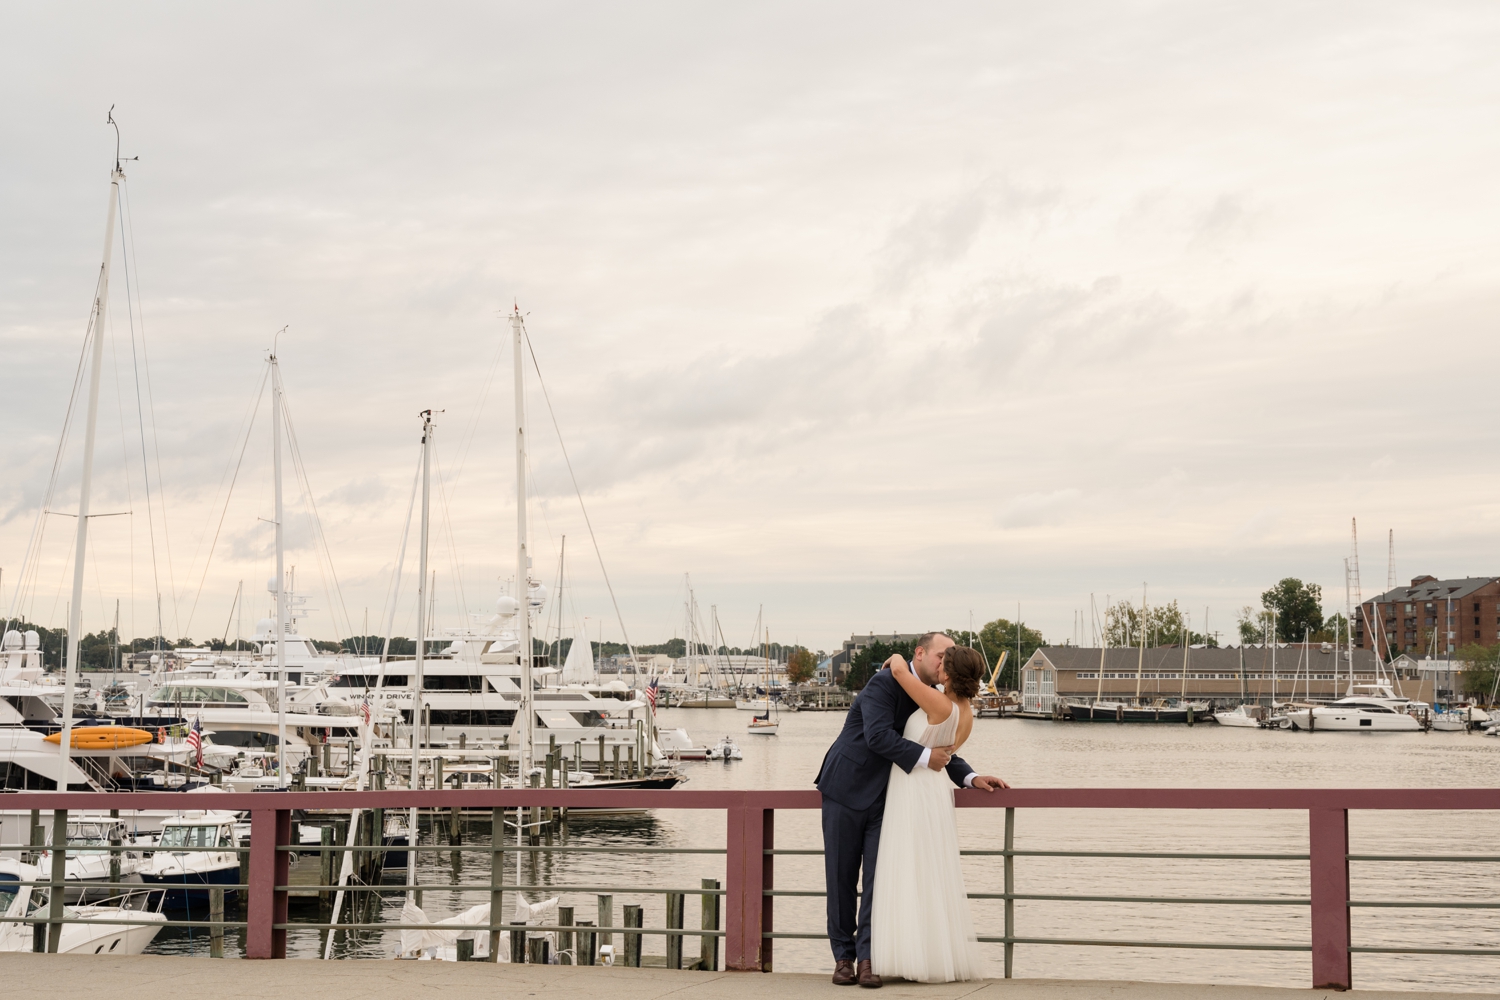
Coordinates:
853 778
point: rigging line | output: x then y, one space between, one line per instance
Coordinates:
141 426
541 383
114 357
327 552
33 544
458 577
393 592
244 446
473 428
128 227
231 463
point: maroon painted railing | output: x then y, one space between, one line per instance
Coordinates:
750 818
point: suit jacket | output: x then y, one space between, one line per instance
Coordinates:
857 767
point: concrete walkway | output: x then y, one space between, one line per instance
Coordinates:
155 976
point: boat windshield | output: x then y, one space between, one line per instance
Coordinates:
189 836
8 888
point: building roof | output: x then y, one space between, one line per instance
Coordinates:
1426 588
1227 660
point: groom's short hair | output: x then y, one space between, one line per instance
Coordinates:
924 641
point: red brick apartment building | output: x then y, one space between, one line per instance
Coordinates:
1406 620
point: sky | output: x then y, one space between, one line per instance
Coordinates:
870 317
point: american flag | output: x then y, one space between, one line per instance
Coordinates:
651 695
364 710
195 740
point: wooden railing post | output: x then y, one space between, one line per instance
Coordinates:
268 869
1328 862
744 882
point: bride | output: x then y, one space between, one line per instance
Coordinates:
920 925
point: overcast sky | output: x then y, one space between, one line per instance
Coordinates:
874 315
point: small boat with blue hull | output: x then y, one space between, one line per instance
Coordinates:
186 863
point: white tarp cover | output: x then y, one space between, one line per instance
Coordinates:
414 941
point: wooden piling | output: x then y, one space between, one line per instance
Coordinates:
708 945
565 938
632 941
216 914
674 922
606 919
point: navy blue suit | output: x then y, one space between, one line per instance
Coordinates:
852 779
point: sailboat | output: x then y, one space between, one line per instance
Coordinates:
764 725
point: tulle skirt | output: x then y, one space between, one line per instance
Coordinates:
921 928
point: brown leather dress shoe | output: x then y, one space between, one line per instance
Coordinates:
867 978
843 973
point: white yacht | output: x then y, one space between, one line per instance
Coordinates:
92 862
1368 708
107 937
1243 717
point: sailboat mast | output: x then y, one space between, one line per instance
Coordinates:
416 689
1140 663
80 544
282 605
523 558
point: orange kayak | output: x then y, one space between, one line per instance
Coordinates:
104 737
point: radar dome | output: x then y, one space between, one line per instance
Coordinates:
538 595
33 641
507 605
13 639
272 586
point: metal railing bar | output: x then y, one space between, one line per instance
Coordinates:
124 848
126 923
486 848
466 928
1188 900
1423 857
1110 943
1134 854
396 888
1399 904
129 887
1376 950
1095 854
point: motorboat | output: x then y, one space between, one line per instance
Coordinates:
106 937
1378 710
193 867
1241 717
90 840
725 749
677 743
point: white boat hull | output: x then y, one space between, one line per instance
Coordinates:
1336 720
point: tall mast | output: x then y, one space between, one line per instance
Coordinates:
282 604
1140 663
523 557
416 690
80 544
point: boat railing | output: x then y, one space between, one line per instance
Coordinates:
739 910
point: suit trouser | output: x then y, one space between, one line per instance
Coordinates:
850 836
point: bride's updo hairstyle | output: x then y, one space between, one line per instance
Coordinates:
965 669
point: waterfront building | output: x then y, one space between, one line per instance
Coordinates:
1430 616
1227 676
840 662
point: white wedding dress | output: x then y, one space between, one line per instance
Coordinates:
921 928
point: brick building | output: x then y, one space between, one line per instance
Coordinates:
1455 613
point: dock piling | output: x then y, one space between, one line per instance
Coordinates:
606 919
674 923
216 914
708 945
565 954
632 941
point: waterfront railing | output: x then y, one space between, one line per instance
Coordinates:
739 911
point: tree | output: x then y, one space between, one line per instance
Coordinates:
1298 608
1000 636
801 666
1164 626
870 659
1335 627
1255 626
1480 663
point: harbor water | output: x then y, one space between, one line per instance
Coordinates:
1047 754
